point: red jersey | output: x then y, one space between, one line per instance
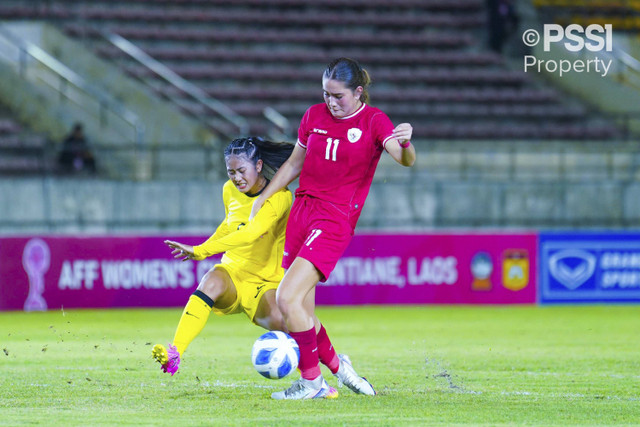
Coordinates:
342 155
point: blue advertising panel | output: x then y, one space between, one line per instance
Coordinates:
589 267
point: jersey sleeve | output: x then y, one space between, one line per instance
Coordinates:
303 130
221 231
381 128
273 209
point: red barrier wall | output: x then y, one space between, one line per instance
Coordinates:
50 272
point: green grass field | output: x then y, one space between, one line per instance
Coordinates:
431 365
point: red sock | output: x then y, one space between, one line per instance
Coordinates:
308 365
326 353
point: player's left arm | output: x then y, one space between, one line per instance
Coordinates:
399 145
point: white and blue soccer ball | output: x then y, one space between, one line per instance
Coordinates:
275 355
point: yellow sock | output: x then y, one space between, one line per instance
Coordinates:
193 319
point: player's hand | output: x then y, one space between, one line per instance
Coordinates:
402 133
180 251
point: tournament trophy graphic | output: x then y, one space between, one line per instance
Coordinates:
35 260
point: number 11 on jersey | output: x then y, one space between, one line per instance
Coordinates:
328 152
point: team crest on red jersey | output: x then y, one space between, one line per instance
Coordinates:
354 134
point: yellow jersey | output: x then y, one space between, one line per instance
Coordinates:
256 246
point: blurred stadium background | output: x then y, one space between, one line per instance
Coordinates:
161 86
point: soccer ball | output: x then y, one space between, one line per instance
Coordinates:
275 355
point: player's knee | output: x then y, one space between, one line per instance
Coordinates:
212 285
288 304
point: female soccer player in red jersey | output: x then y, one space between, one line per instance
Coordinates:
339 145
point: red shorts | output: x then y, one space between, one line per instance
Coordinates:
318 232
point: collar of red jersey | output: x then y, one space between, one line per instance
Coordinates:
352 114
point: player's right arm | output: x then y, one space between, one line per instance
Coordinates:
221 232
274 209
185 252
288 172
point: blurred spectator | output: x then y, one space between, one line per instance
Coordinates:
75 155
502 22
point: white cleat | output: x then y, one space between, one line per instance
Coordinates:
347 375
307 389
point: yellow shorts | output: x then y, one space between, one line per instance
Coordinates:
249 291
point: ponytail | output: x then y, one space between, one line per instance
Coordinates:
273 154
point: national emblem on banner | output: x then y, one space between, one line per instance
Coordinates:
515 269
481 269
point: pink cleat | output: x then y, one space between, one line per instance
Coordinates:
169 359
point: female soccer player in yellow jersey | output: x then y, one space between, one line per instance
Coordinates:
250 270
